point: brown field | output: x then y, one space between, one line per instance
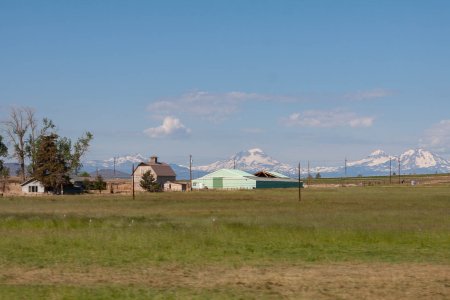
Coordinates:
330 281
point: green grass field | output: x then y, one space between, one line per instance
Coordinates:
372 242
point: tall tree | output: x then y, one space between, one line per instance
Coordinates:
4 172
16 128
73 154
56 158
3 152
32 142
51 168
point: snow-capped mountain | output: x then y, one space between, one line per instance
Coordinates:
250 161
377 163
423 161
417 161
123 163
414 161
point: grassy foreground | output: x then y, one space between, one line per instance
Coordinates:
241 244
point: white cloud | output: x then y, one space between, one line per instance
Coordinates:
171 127
369 95
214 107
326 119
437 137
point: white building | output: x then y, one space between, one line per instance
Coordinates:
170 186
32 186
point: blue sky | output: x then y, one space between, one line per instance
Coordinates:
309 80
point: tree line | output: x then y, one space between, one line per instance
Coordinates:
51 158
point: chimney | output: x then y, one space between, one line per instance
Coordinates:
154 159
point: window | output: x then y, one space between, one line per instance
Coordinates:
32 189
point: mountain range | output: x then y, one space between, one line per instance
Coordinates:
413 161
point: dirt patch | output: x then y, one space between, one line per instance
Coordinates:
334 281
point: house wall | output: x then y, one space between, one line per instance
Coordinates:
174 187
275 184
41 188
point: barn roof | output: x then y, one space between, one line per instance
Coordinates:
160 169
227 173
270 174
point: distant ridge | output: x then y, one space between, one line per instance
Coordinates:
413 161
109 174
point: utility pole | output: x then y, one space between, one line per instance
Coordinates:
114 166
399 168
390 170
190 172
299 183
345 167
234 163
345 171
132 180
309 174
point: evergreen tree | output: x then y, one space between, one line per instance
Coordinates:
148 182
51 168
4 173
3 152
99 184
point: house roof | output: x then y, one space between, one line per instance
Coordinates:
160 169
28 181
270 174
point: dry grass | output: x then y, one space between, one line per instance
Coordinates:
331 281
346 243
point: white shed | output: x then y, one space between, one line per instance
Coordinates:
32 186
170 186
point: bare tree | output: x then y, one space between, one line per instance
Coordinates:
16 128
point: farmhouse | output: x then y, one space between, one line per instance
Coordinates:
162 172
236 179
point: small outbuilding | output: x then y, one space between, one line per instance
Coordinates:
237 179
170 186
32 186
162 172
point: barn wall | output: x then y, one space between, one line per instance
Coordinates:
276 184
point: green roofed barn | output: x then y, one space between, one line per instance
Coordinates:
236 179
